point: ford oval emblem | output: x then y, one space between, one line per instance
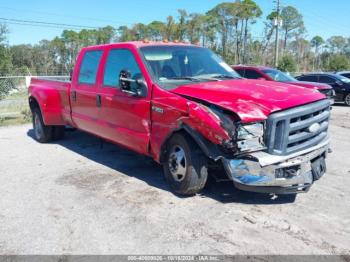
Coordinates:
314 128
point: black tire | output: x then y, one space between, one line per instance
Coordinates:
42 133
58 132
194 166
347 99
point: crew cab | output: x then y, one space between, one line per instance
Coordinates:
186 108
271 74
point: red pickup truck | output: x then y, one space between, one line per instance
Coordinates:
187 109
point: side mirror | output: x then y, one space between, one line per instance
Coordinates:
133 87
262 78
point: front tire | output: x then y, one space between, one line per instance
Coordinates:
185 166
347 100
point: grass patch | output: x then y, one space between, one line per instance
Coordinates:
14 109
21 94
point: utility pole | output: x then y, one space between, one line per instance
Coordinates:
277 23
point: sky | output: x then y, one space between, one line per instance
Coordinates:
322 17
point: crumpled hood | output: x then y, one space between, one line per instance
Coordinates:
317 86
251 100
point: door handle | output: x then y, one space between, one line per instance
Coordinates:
98 101
74 96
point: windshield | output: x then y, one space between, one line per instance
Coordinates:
279 76
344 79
173 66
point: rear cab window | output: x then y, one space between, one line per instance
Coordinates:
252 74
89 67
240 71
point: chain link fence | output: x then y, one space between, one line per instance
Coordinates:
14 107
9 84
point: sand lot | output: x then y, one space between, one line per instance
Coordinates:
75 197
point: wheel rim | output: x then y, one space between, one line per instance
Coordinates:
177 163
347 100
38 129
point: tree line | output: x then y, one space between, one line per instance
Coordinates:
226 29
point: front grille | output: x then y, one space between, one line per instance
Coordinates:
289 131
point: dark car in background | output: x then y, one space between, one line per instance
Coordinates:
344 73
271 74
340 84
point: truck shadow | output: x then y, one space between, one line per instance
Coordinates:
339 104
145 169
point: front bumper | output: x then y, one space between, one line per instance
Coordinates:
266 173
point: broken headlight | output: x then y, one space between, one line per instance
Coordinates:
250 137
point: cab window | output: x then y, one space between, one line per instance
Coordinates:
252 74
117 61
240 71
89 67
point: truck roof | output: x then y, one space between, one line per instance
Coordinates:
139 44
252 66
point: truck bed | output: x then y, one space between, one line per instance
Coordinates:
54 100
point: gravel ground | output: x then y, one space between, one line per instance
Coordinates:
74 197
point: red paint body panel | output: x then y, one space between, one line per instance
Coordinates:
144 124
53 98
175 109
251 100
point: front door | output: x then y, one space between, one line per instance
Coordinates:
125 119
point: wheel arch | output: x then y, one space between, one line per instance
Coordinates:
208 148
33 103
49 108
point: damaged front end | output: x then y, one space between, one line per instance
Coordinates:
280 155
225 129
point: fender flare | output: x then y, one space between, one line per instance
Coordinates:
32 100
209 149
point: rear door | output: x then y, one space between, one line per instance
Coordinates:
84 90
123 119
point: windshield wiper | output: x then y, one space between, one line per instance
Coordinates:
221 76
217 77
189 78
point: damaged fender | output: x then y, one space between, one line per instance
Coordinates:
208 128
